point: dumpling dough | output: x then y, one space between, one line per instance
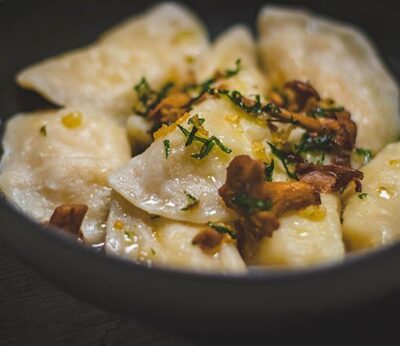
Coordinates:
160 45
47 164
303 238
158 184
374 219
340 62
135 235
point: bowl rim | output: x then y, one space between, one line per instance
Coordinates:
264 275
259 275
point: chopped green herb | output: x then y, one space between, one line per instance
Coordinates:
223 229
269 170
283 158
148 97
167 148
130 235
362 195
249 204
247 105
206 86
153 252
192 201
43 131
365 154
208 143
233 72
314 143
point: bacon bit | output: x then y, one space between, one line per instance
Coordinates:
246 177
170 108
69 217
329 178
303 96
209 240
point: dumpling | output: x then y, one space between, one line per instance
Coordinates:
340 62
160 45
372 218
309 236
61 157
159 185
138 236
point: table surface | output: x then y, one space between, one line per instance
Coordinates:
33 311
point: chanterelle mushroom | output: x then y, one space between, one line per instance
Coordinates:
258 202
69 217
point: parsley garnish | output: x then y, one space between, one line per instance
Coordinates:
366 154
167 148
148 97
223 229
192 201
269 170
208 143
314 143
251 106
362 195
249 204
233 72
206 86
43 131
283 158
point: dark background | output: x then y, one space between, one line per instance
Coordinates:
32 310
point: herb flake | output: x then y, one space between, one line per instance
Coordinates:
223 229
167 148
251 205
365 154
192 202
269 170
282 157
362 195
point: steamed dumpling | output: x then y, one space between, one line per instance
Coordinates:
373 218
159 185
59 157
310 236
160 45
138 236
340 62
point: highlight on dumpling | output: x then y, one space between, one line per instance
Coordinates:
276 151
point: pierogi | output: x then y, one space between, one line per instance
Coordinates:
275 152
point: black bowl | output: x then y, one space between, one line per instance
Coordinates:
30 31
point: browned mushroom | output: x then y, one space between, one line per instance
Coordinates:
209 240
259 203
170 108
329 178
69 217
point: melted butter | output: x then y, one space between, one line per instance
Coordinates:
72 120
394 163
313 213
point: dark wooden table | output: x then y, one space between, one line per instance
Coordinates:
35 312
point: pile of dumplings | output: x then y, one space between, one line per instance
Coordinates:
97 152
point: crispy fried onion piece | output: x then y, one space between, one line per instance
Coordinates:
259 203
329 178
69 217
170 108
209 240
